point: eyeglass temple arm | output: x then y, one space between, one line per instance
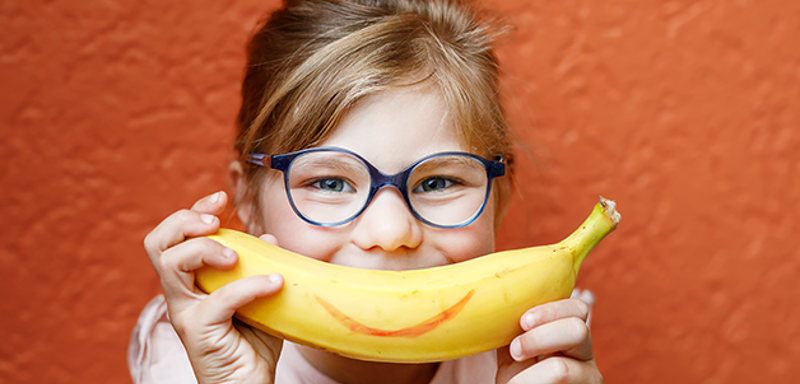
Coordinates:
498 167
260 159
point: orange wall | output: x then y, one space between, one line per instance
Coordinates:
116 113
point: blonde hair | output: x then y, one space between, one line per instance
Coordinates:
313 59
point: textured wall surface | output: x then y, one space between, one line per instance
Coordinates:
116 113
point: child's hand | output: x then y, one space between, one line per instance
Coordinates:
555 348
220 349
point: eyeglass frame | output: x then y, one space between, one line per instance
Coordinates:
378 180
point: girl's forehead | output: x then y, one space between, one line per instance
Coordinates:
395 127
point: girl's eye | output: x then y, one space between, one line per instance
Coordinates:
433 184
332 185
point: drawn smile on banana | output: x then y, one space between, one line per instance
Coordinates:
412 331
375 315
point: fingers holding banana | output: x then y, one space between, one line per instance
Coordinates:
176 251
555 347
205 322
175 258
556 327
199 220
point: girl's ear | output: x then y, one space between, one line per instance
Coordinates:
241 198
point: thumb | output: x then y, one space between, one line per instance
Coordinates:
269 239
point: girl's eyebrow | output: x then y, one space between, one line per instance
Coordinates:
447 161
335 164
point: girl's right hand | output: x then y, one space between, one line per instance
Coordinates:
220 348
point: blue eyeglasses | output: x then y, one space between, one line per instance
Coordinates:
329 186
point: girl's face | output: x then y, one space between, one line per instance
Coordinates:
391 130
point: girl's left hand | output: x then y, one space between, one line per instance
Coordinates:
556 347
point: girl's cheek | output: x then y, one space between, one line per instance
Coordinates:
480 238
470 251
296 235
313 242
464 244
292 232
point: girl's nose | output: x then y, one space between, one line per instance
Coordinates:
387 224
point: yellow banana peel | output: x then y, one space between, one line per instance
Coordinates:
413 316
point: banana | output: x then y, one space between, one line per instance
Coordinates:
413 316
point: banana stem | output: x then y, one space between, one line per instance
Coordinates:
603 219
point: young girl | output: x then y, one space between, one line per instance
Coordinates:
337 95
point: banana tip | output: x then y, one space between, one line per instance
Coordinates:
610 208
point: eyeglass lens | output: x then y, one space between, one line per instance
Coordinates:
330 186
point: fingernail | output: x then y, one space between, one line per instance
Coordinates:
275 278
516 349
208 219
228 253
213 199
528 320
